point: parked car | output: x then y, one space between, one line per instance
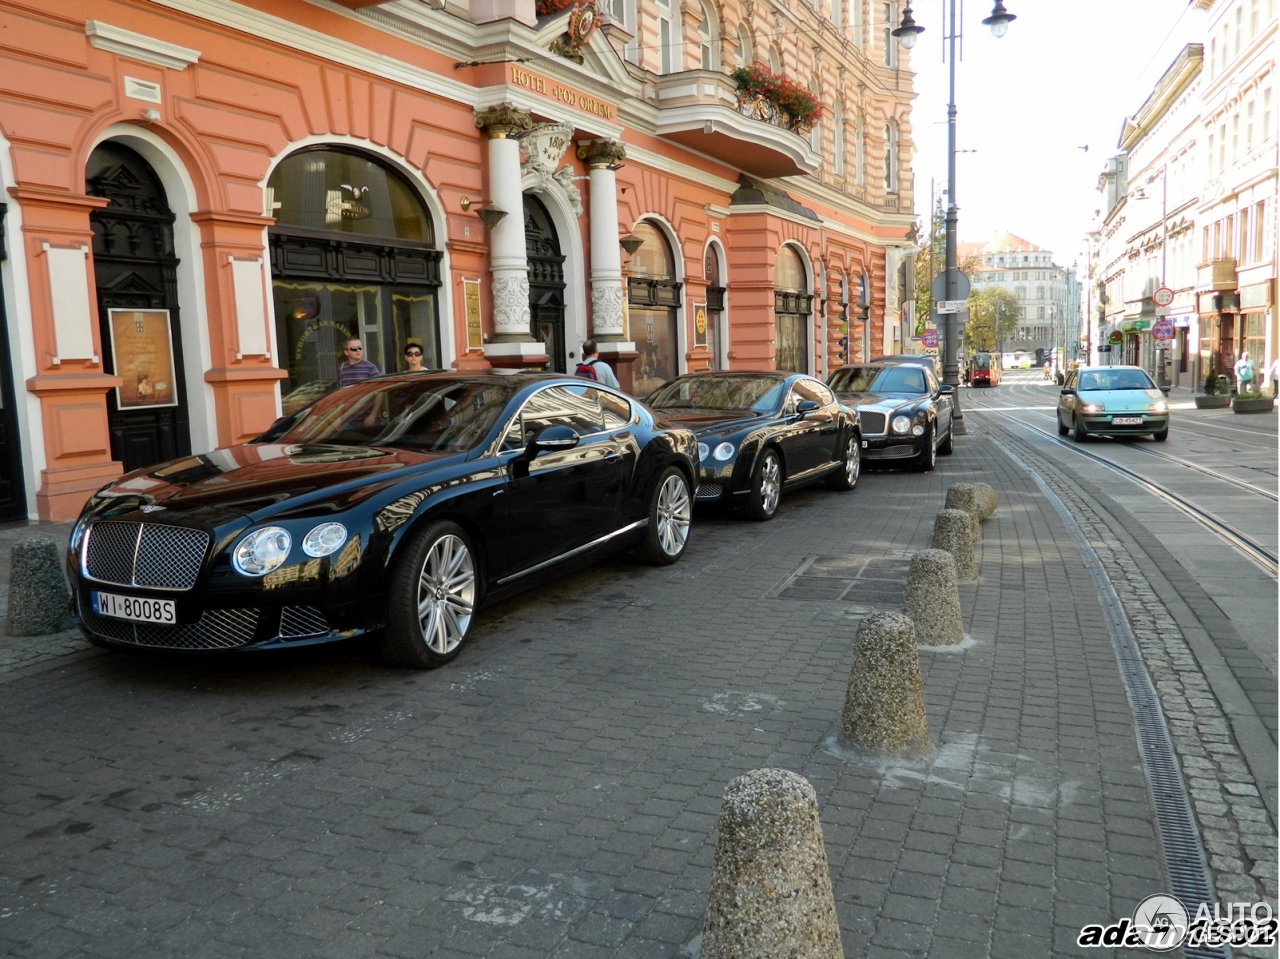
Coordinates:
1112 401
904 413
762 433
393 508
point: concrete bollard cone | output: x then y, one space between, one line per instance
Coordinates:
884 707
979 499
770 888
953 531
38 591
932 599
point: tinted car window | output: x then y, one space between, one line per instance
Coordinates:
425 414
932 381
576 407
1116 380
760 394
813 390
617 411
900 379
854 379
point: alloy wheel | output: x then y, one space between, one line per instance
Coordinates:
852 462
770 484
446 594
675 512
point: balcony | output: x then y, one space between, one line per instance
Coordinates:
1218 275
702 110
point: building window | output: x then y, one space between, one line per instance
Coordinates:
815 132
1020 292
653 298
890 45
837 13
666 38
742 52
837 154
1039 312
775 59
1258 251
352 254
792 307
708 39
891 157
624 12
1039 292
859 152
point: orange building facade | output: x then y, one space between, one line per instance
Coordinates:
205 198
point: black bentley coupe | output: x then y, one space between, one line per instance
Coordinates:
394 507
904 413
762 433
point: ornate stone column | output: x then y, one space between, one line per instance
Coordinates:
512 340
606 255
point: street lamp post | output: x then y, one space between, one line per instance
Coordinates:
907 33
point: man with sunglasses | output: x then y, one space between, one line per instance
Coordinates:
413 358
356 368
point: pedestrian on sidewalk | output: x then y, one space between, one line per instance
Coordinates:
594 368
413 357
1273 371
356 368
1244 373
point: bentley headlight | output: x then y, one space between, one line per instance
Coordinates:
1092 408
901 424
1159 406
703 451
917 430
724 452
262 551
324 539
77 534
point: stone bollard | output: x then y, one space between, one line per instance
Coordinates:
38 590
884 707
770 887
979 499
932 599
953 531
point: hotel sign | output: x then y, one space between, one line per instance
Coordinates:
558 91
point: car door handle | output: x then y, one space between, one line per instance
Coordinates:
612 456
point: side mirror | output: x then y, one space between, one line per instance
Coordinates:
551 439
805 407
1165 390
946 389
1068 392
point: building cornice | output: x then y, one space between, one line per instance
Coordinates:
1167 89
139 46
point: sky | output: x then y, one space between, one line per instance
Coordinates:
1065 76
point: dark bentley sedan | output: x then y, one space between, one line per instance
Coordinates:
761 433
395 507
904 413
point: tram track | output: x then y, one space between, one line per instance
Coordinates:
1257 553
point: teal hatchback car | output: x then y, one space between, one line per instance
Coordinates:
1112 401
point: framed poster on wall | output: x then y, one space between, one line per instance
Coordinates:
471 300
699 324
142 352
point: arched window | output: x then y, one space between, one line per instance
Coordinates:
653 297
775 59
815 131
891 157
709 39
792 307
713 336
837 154
742 52
860 152
352 254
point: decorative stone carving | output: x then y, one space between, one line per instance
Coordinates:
602 153
503 121
511 304
606 309
543 144
564 176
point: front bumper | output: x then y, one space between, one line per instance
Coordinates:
715 482
891 447
1100 424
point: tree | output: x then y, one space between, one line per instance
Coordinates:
993 315
928 267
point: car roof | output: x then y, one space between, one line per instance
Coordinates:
1082 369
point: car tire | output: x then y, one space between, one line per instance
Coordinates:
670 513
1161 436
845 476
948 446
928 457
766 488
1077 430
1062 430
434 588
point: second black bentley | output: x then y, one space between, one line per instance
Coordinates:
904 413
762 433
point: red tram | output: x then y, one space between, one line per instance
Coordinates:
984 369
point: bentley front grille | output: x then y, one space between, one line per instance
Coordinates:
299 621
872 423
217 629
144 554
709 491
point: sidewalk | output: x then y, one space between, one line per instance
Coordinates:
21 653
554 791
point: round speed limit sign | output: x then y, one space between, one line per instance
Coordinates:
1162 296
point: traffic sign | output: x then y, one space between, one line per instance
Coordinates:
929 338
951 306
1162 297
1163 330
960 286
1116 337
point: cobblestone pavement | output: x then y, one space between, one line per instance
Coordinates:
554 791
20 654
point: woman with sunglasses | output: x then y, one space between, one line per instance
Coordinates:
413 358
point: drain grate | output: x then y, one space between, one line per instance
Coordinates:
1180 840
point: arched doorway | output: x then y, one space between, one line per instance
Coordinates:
653 297
546 282
136 273
792 307
352 254
714 275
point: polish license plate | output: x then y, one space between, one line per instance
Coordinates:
1126 421
135 608
864 444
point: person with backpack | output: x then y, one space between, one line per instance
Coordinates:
594 368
